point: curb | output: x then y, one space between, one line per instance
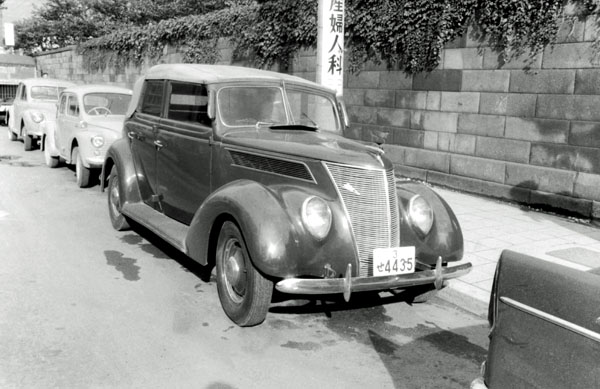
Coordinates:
467 297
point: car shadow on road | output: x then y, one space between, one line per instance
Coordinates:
303 304
159 248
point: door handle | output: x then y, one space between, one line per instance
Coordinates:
132 135
159 145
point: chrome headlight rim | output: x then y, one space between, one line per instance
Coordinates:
316 217
97 141
420 215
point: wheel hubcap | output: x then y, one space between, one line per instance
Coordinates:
234 270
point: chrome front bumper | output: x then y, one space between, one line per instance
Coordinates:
349 284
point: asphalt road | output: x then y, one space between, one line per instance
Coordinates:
82 305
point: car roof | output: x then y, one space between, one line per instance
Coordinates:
95 88
46 82
210 74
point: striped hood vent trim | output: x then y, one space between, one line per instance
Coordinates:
272 165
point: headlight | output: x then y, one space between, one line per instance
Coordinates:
420 214
316 216
97 141
37 117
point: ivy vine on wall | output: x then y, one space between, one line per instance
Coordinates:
404 34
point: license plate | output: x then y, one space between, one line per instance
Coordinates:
393 260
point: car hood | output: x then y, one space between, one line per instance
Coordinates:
112 123
44 107
319 145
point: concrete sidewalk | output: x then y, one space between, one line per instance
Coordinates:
490 226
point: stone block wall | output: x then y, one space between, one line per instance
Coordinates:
478 125
474 124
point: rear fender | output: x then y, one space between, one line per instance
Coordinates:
445 238
119 155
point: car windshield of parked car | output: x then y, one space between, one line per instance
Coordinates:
264 106
251 105
48 93
106 103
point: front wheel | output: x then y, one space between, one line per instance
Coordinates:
27 141
245 294
81 172
117 219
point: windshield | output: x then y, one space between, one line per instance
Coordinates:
106 103
256 106
49 93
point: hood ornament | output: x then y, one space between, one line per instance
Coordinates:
350 188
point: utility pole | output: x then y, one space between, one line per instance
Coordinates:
2 43
330 44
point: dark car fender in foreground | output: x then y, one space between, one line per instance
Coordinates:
545 326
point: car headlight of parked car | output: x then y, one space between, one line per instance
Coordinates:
97 141
316 216
420 214
37 117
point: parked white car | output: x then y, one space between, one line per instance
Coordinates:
89 119
35 103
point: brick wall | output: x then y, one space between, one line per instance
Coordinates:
474 124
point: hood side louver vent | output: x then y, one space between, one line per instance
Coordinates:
272 165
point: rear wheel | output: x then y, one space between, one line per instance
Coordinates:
114 202
51 161
81 172
245 294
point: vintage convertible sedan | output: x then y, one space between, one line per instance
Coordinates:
247 170
88 120
545 326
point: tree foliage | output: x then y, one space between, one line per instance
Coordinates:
60 23
405 34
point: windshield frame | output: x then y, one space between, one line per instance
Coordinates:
284 88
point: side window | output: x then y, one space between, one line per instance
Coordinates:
24 94
63 105
188 103
73 107
152 98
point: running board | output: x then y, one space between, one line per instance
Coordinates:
172 231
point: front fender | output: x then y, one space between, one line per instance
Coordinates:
33 128
119 155
445 238
269 218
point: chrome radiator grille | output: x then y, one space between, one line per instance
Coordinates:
369 197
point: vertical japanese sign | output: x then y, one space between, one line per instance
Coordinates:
330 44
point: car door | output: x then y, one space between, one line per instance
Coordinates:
545 326
69 122
15 120
59 137
141 131
183 151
